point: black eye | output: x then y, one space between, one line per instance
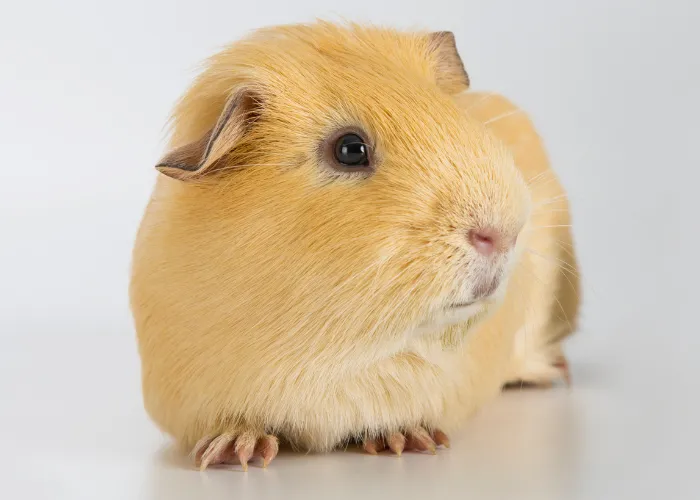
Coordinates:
351 151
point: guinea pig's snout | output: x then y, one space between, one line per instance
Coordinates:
489 240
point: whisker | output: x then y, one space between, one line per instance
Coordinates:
563 311
566 316
567 250
503 115
532 180
551 210
573 288
570 252
542 182
563 264
566 277
545 227
549 201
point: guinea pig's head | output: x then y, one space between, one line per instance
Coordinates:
328 172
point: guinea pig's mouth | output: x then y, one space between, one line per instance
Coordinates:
452 313
485 290
459 305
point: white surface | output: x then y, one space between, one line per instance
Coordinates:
85 88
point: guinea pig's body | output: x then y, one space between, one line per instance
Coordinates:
278 293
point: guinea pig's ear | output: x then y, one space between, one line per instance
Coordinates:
200 157
449 69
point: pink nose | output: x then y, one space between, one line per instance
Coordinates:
488 240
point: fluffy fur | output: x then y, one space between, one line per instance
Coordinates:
273 295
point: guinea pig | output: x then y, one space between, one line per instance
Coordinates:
345 244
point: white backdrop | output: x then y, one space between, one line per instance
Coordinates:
85 89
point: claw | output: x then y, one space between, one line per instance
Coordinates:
441 438
563 365
200 448
415 439
397 443
215 451
371 446
421 440
245 446
267 447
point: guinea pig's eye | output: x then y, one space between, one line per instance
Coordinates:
351 152
347 151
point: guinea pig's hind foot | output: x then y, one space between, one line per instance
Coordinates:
229 448
417 439
542 377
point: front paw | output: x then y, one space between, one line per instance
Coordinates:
417 438
232 447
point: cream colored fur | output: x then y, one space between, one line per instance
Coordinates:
275 296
